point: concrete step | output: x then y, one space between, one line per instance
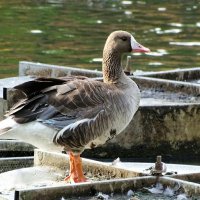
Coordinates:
44 180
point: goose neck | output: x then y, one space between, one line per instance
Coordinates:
112 69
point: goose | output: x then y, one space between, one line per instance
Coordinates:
75 113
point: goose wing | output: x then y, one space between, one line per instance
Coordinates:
60 102
79 108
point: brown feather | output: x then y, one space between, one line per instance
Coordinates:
75 98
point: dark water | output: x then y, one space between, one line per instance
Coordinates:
73 32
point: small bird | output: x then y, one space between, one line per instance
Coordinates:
75 113
159 167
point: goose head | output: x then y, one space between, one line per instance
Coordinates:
117 43
123 42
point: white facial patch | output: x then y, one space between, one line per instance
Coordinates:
134 43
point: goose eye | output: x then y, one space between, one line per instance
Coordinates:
124 38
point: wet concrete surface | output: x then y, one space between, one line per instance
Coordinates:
45 180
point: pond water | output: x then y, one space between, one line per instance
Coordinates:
73 32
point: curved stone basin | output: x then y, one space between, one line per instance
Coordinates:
166 123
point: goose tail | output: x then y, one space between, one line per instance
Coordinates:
6 125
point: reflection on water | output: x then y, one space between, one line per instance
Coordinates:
186 43
72 32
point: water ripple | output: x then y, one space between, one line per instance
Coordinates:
72 32
155 63
176 24
160 31
126 2
162 9
185 43
36 31
159 52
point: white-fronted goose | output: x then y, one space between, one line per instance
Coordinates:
75 113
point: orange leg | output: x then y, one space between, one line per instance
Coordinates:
76 172
72 178
79 168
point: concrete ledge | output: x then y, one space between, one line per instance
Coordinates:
83 189
61 161
178 87
40 69
192 177
188 75
112 186
7 164
120 186
15 145
3 108
189 187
